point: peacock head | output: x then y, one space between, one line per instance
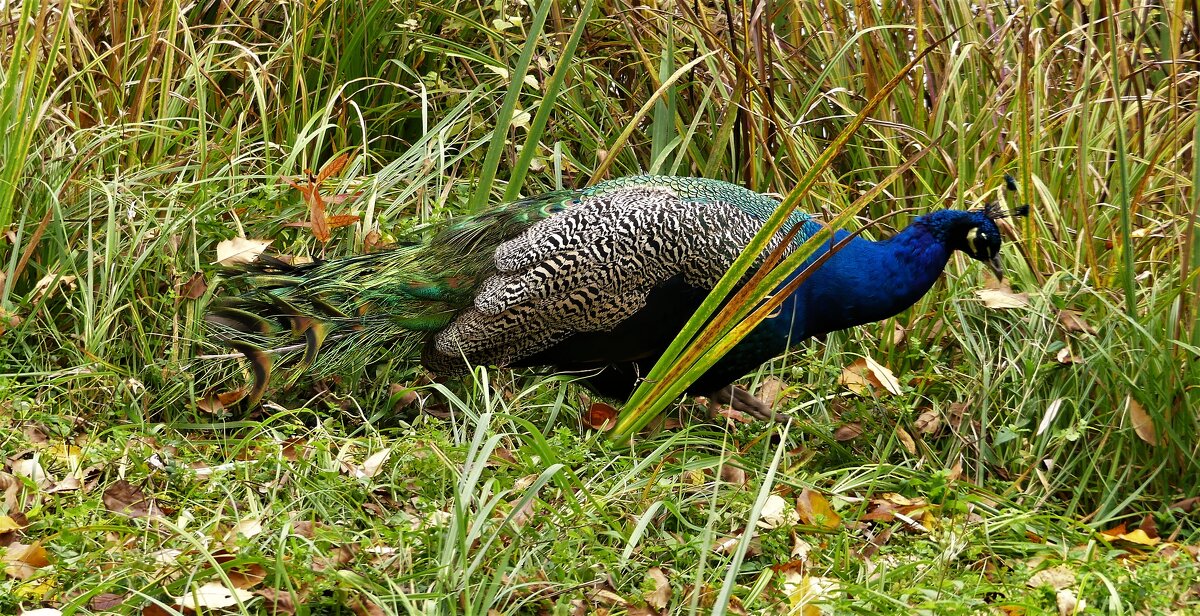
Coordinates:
977 234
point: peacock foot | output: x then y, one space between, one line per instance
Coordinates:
742 401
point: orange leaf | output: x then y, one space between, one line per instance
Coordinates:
815 510
316 213
342 220
1136 536
600 416
333 167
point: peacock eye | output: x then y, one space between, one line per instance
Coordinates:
972 238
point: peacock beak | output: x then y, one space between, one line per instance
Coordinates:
995 265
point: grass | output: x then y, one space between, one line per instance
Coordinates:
136 137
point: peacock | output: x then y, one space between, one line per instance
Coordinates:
595 281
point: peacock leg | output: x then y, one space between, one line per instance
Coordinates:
741 400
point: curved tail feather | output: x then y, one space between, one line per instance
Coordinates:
329 316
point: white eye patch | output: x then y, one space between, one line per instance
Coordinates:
977 240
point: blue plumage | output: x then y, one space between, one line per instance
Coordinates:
597 281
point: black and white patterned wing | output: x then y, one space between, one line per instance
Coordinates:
591 267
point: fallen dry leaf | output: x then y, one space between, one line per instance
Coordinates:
769 390
106 602
906 441
277 602
1003 299
807 593
733 474
1143 425
194 288
333 167
660 597
600 416
777 512
521 516
815 510
1067 603
127 499
247 528
212 596
343 220
848 432
1072 322
8 320
1066 357
928 422
866 375
22 561
247 576
734 415
1136 536
216 402
1187 505
373 464
47 283
31 469
10 486
1057 577
8 524
239 250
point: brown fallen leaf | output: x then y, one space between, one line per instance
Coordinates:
1136 536
247 576
277 602
777 512
1187 505
8 524
1072 322
815 510
660 597
865 375
733 475
906 441
769 390
22 561
734 415
8 320
10 487
1065 357
1143 425
1057 577
928 422
216 402
106 602
310 188
194 288
126 499
404 396
343 220
600 416
848 432
372 465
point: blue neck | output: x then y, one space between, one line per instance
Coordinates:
870 281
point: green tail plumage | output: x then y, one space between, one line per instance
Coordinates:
333 316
